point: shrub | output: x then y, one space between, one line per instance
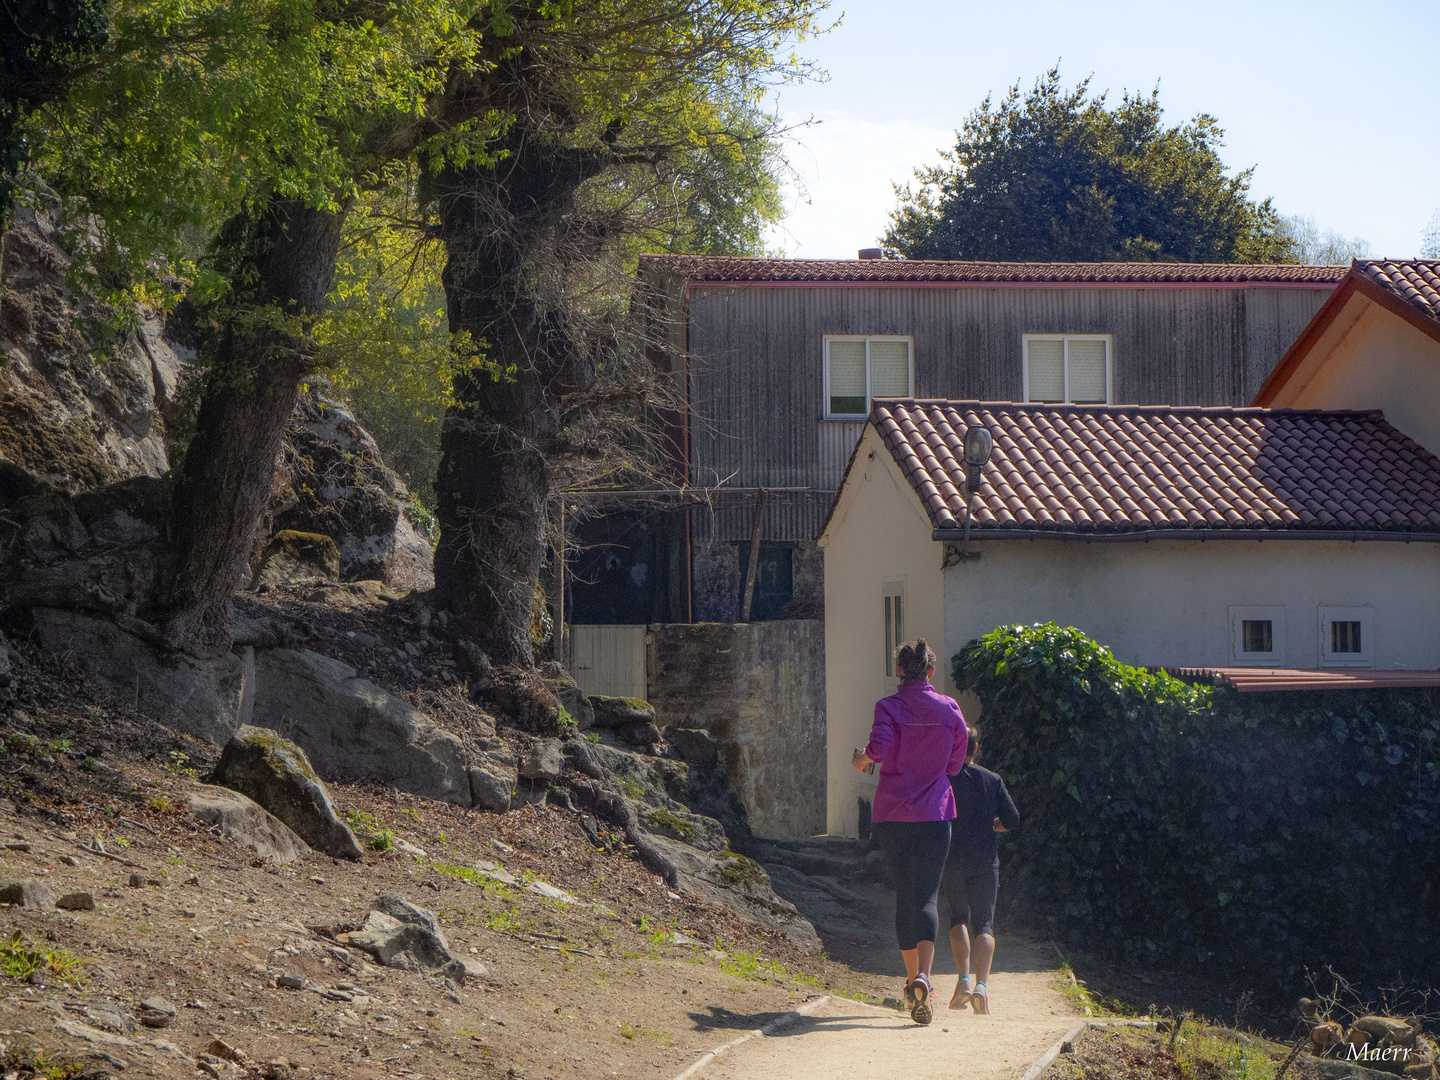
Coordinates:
1179 822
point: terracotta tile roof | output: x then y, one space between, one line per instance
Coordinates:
1105 469
725 268
1416 282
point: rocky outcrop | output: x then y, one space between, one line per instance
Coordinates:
693 846
199 697
246 822
352 729
276 774
294 558
77 413
631 719
332 481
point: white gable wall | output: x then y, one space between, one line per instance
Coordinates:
1370 358
1166 602
879 534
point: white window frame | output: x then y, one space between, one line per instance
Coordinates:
1365 616
1109 341
1276 617
867 338
894 634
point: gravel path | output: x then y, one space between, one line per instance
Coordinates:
848 1041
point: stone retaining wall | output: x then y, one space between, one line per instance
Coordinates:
759 688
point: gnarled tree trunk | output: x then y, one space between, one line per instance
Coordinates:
257 363
505 229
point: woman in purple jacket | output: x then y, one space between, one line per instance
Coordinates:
919 741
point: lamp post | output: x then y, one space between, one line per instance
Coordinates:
978 445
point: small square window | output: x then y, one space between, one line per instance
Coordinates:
1257 635
1346 637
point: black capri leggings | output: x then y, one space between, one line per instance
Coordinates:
916 851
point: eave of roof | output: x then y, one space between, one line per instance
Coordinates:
1356 282
1098 473
708 270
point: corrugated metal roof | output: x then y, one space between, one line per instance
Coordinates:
723 268
1254 680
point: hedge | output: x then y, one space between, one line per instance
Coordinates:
1187 823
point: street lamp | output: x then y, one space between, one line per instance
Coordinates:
978 445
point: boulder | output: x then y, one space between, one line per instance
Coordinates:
333 481
639 734
695 745
246 822
29 893
351 728
614 712
199 697
76 901
572 698
405 936
275 773
545 761
492 786
295 558
156 1012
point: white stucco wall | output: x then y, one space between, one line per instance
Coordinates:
1371 358
879 534
1166 602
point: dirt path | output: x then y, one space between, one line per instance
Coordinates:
858 1042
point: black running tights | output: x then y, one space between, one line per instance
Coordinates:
916 851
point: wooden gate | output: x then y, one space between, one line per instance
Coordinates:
609 660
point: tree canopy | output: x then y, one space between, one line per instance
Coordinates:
1055 175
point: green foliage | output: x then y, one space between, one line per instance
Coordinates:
1176 823
19 959
363 822
384 840
180 766
1055 175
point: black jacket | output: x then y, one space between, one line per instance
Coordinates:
980 797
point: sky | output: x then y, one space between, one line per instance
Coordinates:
1334 104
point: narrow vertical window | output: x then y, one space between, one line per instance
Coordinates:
894 624
1347 637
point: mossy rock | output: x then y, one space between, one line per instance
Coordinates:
614 712
306 547
737 872
275 773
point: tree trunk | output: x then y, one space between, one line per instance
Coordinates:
505 234
251 388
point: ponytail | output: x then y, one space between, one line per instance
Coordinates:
914 659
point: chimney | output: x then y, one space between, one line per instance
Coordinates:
869 253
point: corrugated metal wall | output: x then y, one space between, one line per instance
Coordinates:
756 379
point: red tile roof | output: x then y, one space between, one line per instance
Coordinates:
1416 282
718 268
1106 469
1253 680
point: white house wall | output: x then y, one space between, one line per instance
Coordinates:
1166 602
1375 361
879 534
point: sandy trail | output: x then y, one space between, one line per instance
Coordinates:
848 1041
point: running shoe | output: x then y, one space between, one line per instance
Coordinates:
980 999
918 993
962 995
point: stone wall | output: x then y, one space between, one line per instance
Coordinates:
759 688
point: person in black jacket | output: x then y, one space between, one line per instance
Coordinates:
972 874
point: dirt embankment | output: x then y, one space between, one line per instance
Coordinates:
632 979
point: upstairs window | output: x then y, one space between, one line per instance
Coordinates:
860 369
1071 369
